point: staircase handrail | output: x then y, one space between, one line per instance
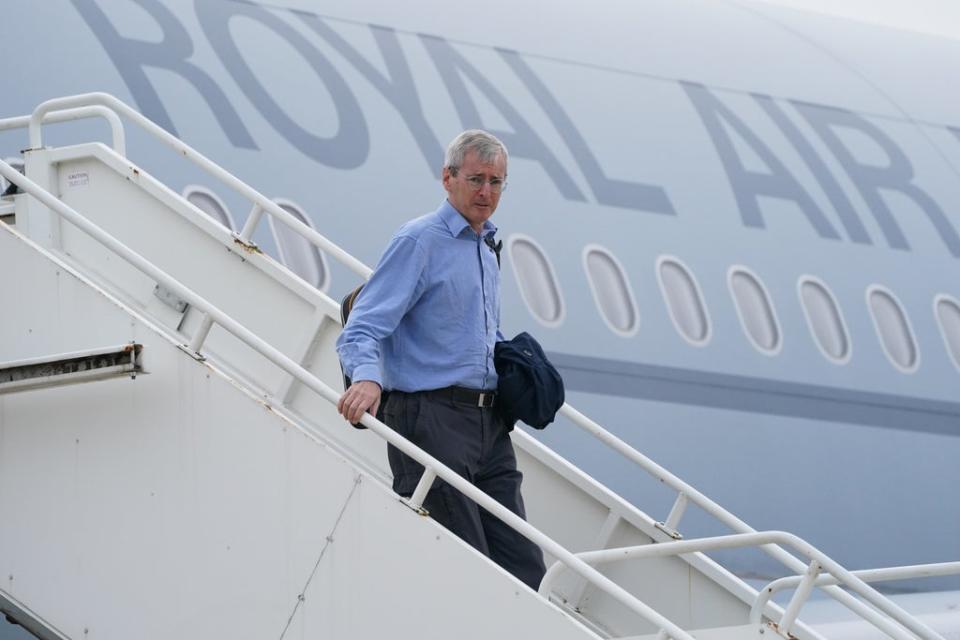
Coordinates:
687 493
886 574
119 143
818 562
433 468
261 203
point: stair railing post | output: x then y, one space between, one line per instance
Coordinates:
423 487
201 335
671 524
799 598
251 224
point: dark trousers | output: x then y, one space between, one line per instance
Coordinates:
475 443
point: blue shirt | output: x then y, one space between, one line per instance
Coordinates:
430 315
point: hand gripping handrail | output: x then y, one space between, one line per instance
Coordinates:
819 561
261 202
78 113
108 102
433 467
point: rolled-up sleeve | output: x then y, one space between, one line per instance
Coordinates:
392 290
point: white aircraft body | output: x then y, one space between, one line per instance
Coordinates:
734 227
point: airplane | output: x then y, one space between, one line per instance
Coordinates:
733 226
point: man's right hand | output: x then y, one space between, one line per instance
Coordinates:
363 396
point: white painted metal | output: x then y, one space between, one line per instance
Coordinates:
311 235
294 369
799 598
214 315
106 100
867 575
131 179
180 505
604 536
671 525
783 538
677 585
711 508
206 324
423 488
142 179
733 632
251 224
76 113
123 197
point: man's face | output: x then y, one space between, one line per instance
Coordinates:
475 204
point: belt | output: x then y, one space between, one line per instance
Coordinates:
472 397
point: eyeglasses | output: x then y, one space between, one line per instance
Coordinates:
496 184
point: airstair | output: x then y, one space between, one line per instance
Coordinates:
172 464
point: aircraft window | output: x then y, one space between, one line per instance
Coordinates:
299 254
611 290
948 315
757 316
684 301
208 202
825 320
893 329
537 281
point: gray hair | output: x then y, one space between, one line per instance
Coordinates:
485 145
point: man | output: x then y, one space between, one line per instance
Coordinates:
424 329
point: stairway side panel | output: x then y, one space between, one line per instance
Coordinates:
178 505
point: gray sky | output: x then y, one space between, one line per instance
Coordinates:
940 17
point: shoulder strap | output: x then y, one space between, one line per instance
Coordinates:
346 305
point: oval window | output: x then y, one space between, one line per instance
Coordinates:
757 316
824 320
208 202
893 329
684 302
299 254
948 315
611 290
537 282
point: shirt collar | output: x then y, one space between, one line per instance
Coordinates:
456 223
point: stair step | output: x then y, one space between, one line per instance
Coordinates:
736 632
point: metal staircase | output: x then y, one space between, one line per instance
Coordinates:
130 256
